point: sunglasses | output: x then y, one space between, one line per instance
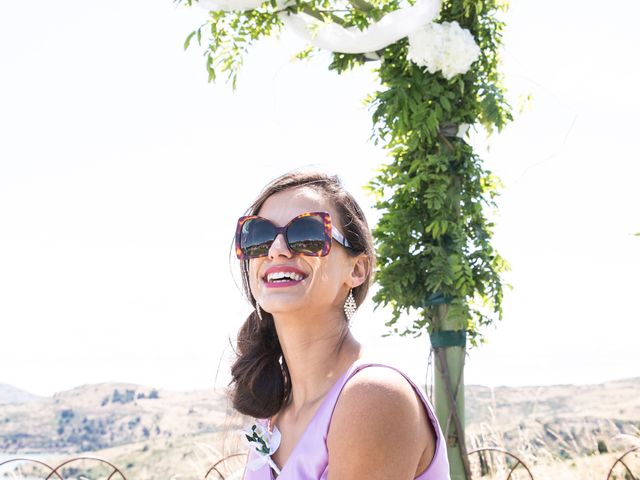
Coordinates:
309 234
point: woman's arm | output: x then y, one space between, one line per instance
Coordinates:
376 431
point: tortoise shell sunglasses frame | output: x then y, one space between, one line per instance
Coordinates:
329 233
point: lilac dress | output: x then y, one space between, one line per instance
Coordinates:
310 457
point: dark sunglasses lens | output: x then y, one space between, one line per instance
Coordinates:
306 235
256 237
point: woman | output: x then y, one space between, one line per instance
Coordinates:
322 410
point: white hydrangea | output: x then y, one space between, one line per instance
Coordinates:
444 47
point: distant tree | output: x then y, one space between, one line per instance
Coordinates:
602 446
116 397
133 423
126 397
66 415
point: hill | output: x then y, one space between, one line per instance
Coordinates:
94 417
10 394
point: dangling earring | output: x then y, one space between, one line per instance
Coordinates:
258 310
350 305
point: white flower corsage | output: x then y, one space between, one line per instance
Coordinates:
264 443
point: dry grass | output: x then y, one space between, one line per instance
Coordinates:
179 459
584 449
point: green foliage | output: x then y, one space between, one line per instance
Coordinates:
228 36
433 240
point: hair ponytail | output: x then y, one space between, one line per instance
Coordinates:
261 381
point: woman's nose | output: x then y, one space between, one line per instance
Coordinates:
279 247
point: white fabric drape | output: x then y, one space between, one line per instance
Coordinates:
331 36
389 29
230 5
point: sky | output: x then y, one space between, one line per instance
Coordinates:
122 174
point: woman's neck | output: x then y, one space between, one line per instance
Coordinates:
317 353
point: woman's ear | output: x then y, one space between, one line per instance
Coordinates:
360 270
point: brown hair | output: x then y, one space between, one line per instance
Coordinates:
260 383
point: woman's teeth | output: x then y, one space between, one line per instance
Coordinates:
283 277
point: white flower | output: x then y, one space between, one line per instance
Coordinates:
258 437
444 47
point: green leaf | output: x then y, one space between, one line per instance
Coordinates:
444 101
187 41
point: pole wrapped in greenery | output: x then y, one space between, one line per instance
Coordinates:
436 263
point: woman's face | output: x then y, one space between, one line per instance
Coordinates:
325 280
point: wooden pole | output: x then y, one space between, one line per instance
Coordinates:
449 397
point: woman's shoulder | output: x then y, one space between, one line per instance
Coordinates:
377 404
378 376
377 383
381 389
378 370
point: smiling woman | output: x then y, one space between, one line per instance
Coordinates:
307 259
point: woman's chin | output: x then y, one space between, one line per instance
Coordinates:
282 308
